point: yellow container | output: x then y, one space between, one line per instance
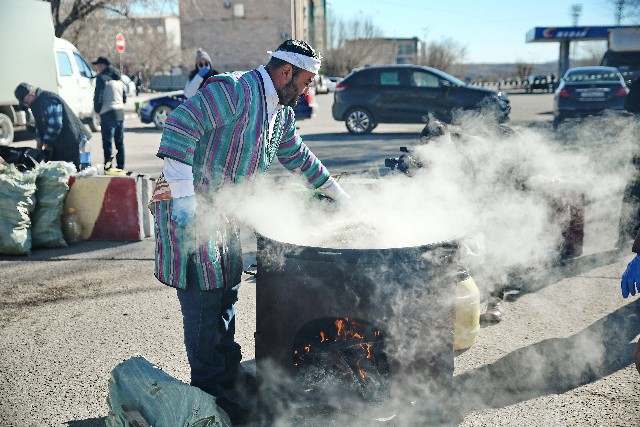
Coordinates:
467 309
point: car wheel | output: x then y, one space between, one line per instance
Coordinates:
159 115
94 122
6 130
359 121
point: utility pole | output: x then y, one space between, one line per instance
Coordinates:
575 11
620 4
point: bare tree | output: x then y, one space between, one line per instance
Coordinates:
352 44
443 55
523 70
93 32
626 9
66 12
592 54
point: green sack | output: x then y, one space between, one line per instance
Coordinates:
138 388
16 202
52 186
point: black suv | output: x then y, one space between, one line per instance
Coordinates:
408 94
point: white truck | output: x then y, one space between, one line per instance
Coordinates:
623 52
30 53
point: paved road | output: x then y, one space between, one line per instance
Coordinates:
560 357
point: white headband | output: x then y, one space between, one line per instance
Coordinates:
301 61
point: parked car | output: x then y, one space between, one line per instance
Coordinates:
155 110
538 82
585 91
332 82
408 94
320 83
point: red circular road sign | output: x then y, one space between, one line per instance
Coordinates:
120 42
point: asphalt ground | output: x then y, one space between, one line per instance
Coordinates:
562 356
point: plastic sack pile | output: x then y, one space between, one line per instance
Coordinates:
31 205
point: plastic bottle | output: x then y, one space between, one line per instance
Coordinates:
467 309
85 153
71 227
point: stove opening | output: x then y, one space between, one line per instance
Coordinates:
341 358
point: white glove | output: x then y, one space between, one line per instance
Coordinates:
332 189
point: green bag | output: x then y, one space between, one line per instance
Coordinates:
17 201
52 186
138 388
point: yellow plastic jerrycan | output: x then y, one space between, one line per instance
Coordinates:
467 309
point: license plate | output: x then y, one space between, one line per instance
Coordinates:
592 94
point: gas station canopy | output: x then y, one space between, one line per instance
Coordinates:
556 34
565 35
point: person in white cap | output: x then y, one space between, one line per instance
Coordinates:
229 132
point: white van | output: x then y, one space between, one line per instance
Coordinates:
76 82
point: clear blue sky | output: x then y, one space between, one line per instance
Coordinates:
492 30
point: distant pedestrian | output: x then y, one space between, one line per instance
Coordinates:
108 100
137 80
58 129
199 74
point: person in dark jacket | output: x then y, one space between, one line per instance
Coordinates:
108 101
58 129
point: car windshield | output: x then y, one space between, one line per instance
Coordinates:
592 76
454 81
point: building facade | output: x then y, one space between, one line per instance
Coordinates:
383 50
238 33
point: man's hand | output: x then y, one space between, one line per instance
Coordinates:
203 71
332 189
183 210
631 277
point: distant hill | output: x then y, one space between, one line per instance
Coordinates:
494 72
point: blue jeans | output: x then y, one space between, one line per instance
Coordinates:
112 130
209 328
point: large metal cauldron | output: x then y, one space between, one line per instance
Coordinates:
406 293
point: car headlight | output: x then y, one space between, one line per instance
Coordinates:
144 106
502 96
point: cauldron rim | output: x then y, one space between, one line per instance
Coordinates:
350 255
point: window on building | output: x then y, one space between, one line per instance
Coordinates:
406 49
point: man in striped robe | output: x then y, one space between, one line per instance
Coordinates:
231 130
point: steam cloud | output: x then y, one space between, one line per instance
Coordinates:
488 189
485 184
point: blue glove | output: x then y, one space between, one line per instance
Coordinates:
203 71
183 210
631 277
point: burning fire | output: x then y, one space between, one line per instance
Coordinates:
345 330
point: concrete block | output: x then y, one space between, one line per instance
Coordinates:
110 207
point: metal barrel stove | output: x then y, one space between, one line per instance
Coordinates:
396 303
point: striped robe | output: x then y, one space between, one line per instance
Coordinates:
222 132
